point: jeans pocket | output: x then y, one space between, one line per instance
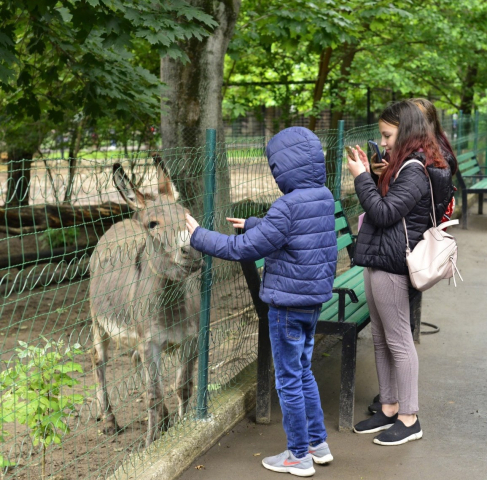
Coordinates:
295 321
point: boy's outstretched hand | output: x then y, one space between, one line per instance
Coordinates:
237 222
191 224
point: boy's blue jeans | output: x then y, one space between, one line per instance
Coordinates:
292 339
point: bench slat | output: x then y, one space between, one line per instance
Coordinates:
344 241
466 165
338 207
472 171
465 156
348 276
359 316
480 185
340 224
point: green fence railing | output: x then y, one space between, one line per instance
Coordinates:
113 334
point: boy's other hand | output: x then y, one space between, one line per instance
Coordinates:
237 222
191 224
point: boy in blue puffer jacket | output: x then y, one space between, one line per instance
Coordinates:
297 239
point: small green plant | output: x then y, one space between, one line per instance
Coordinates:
33 393
4 463
59 237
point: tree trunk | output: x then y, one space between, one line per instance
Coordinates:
468 89
192 103
337 114
74 149
320 82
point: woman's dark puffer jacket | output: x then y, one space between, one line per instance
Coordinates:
381 242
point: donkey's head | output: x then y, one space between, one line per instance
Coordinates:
168 248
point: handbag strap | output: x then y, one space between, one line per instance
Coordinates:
432 199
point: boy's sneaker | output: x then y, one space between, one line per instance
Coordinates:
286 462
399 434
376 423
321 453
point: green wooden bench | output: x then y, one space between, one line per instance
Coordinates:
345 315
472 179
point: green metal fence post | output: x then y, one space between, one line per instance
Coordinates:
476 132
206 277
459 132
339 159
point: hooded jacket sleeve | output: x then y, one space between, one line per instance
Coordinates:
266 237
251 222
403 195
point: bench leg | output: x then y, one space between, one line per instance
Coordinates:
347 387
415 313
264 378
464 209
264 353
481 203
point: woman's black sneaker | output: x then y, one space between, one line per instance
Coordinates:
375 406
378 422
399 434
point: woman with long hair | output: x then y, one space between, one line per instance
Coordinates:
381 248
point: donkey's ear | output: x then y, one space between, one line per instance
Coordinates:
165 186
130 194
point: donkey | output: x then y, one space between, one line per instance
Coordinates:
142 273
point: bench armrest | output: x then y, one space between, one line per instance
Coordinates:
342 293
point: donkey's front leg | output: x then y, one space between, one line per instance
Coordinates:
188 353
101 341
150 353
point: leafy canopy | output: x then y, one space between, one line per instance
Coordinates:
77 55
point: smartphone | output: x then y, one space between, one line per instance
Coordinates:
375 149
350 151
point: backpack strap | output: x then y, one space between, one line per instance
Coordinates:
408 250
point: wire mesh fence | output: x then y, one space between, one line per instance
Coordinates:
100 299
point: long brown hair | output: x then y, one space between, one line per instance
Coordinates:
431 114
414 134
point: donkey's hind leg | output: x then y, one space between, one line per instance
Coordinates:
101 341
150 353
188 353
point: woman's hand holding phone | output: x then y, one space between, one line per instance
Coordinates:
378 167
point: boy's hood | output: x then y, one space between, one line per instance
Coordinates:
296 159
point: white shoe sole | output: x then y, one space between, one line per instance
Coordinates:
414 436
322 460
374 430
300 472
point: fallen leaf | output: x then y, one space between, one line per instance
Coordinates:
325 354
199 467
256 454
118 449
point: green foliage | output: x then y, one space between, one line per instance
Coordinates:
59 237
38 392
61 61
411 47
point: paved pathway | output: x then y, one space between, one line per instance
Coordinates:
453 396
